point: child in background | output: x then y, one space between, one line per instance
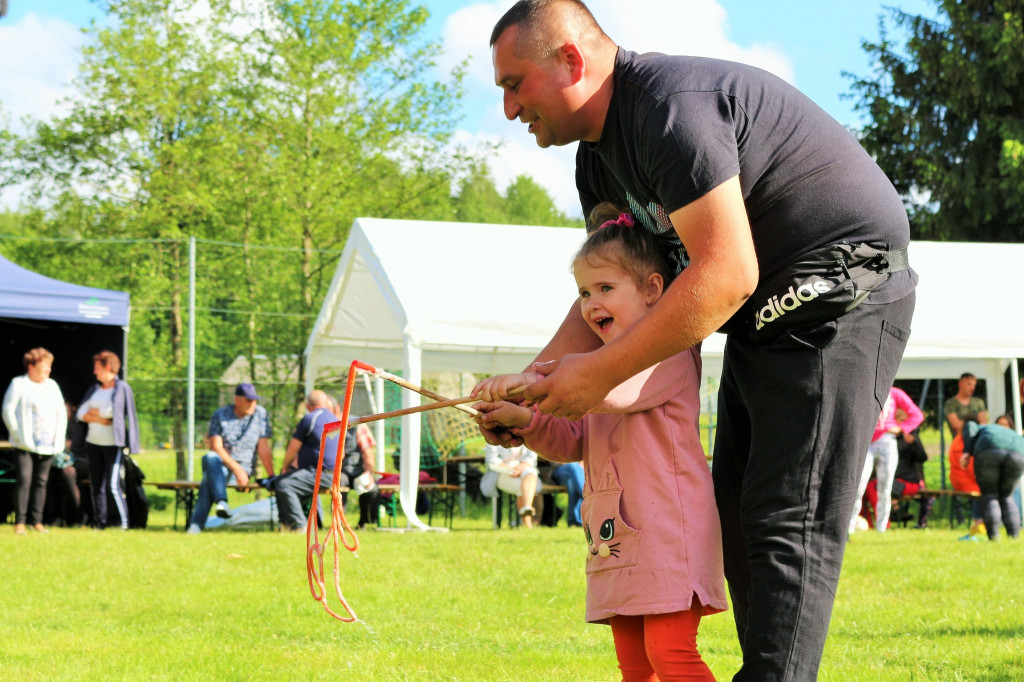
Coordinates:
654 565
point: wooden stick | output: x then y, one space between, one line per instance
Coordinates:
424 392
454 402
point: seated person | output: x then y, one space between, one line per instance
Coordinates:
910 473
514 471
570 476
237 434
303 451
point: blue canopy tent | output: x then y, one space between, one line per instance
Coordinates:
73 322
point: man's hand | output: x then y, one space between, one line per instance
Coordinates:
241 477
572 386
964 460
497 387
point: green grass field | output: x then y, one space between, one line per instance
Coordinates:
472 604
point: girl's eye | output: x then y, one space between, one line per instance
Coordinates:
606 287
584 294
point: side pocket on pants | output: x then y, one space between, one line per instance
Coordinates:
891 345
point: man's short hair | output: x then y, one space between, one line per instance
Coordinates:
536 39
318 398
967 375
108 359
35 356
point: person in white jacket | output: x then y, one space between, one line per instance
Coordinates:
36 419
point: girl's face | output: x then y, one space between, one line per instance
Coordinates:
609 298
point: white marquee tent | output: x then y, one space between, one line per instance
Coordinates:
422 296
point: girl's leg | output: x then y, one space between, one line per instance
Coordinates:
628 632
671 643
660 647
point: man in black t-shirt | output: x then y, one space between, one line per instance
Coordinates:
778 214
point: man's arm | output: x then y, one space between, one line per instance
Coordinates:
955 423
722 274
366 443
217 445
266 456
290 453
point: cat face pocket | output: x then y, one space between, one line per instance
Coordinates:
611 542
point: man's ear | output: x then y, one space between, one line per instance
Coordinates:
575 62
655 288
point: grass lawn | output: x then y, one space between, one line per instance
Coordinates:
473 604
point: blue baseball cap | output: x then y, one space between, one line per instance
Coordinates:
247 391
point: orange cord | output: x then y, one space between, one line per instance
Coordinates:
340 532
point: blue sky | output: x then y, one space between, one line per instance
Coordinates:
807 42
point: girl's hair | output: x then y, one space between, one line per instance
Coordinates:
615 237
1007 417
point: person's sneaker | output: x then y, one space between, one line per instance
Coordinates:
970 538
223 510
193 529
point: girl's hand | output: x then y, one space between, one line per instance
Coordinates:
495 415
497 387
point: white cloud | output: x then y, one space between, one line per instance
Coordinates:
693 27
553 168
39 58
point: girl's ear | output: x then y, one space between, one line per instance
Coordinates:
655 288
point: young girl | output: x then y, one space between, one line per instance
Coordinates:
654 564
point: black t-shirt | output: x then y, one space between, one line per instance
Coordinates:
677 127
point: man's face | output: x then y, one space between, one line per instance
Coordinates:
535 93
244 406
967 385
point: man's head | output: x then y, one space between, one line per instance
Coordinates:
966 384
318 399
245 399
551 59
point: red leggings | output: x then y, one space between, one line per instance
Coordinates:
660 647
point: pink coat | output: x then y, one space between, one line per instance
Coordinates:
887 419
648 504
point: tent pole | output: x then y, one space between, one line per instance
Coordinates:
379 428
191 409
409 467
942 437
1015 401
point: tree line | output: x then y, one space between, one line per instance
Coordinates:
269 132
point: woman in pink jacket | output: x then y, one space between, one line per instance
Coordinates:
654 560
883 455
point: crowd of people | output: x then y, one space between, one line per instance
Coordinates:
89 443
84 443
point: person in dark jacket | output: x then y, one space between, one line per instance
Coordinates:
109 409
998 463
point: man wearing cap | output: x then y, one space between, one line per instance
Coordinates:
237 434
